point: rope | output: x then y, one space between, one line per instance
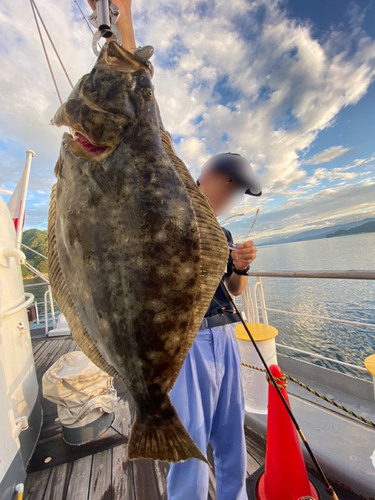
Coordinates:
84 17
283 381
34 251
50 39
313 391
45 51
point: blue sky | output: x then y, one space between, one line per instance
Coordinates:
288 84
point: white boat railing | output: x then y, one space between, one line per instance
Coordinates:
319 356
254 305
48 304
29 299
48 295
48 300
346 275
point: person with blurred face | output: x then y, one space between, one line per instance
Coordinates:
208 393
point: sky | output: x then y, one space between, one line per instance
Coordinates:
287 84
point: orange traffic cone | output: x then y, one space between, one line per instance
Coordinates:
285 476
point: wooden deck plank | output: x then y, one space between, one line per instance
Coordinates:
124 413
42 349
48 355
211 474
252 464
122 468
58 482
37 344
101 476
43 353
66 347
145 483
161 471
211 484
122 474
79 482
36 484
255 445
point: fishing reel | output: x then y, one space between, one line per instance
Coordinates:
104 18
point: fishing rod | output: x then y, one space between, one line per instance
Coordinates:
329 488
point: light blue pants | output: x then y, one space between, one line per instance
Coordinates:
208 397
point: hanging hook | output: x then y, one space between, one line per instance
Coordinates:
105 17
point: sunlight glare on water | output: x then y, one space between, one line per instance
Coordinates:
345 299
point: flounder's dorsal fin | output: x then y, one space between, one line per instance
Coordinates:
61 294
213 245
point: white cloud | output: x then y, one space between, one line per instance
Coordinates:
30 100
335 174
327 155
306 82
224 80
4 190
326 207
194 152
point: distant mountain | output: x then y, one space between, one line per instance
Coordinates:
37 240
314 234
368 227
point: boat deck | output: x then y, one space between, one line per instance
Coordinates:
103 474
101 470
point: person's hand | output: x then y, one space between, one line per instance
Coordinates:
243 255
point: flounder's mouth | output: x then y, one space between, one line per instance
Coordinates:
87 145
78 144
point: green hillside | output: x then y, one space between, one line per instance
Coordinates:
368 227
36 239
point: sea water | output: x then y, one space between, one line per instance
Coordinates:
334 298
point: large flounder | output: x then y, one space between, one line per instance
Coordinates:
135 251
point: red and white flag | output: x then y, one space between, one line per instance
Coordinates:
16 204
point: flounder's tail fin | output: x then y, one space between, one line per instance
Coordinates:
165 440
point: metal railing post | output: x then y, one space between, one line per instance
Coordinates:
45 312
48 294
263 308
247 303
256 307
37 312
52 307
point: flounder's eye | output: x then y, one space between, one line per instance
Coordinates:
147 94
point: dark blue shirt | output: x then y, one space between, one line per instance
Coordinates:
220 300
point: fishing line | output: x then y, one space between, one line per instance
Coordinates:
327 485
45 51
35 9
84 17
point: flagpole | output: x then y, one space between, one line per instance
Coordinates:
29 155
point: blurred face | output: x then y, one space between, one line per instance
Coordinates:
221 190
